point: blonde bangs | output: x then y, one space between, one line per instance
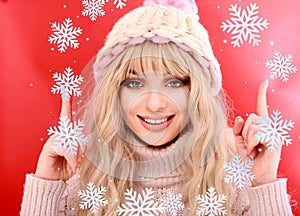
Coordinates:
149 57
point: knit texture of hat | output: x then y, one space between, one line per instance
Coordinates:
161 24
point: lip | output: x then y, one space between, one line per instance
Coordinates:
157 126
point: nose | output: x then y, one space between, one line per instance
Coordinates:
156 101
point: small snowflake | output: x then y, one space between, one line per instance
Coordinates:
67 84
245 25
274 131
65 35
211 204
67 137
281 66
93 8
239 172
172 203
120 3
140 204
92 198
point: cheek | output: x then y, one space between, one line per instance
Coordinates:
130 103
180 103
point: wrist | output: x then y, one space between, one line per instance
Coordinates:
258 182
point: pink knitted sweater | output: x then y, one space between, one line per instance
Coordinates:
57 198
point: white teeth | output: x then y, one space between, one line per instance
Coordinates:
156 121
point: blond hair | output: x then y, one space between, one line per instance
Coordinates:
208 114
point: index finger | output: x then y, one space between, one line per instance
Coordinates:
261 104
66 109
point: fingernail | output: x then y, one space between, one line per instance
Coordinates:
238 118
250 154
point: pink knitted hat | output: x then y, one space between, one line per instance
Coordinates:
160 21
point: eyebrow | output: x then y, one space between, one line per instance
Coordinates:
132 72
165 76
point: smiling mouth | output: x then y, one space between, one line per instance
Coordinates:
155 120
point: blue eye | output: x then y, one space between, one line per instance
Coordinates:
132 84
175 84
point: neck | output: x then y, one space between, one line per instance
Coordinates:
162 166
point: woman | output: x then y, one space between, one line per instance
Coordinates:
157 118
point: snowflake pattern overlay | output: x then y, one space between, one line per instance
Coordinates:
281 66
239 172
274 131
67 84
172 203
92 198
244 25
94 8
68 136
140 204
65 35
211 203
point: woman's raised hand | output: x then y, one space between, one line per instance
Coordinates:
60 165
266 162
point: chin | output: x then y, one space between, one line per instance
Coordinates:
159 142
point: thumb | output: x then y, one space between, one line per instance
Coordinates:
238 126
238 137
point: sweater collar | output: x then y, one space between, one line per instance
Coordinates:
162 167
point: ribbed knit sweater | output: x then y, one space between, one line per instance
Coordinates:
58 198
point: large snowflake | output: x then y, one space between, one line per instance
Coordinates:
239 172
211 203
68 136
92 198
94 8
172 203
140 204
281 66
67 84
274 131
244 25
65 35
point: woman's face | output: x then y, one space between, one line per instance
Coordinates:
155 106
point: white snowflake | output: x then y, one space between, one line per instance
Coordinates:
120 3
281 66
93 8
140 204
211 203
68 136
67 84
239 172
274 131
245 25
92 198
172 203
65 35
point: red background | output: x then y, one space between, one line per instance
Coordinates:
27 62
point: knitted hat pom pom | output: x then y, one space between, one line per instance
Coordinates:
187 6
